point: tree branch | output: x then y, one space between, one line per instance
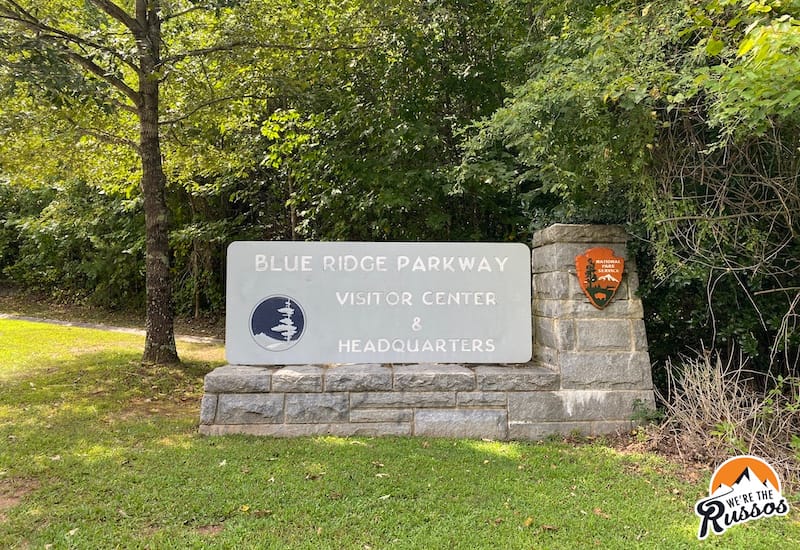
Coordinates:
105 137
98 71
230 46
119 14
44 31
211 103
176 15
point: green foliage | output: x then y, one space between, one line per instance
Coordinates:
73 240
378 166
643 414
680 118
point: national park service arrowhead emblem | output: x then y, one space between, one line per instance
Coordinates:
599 273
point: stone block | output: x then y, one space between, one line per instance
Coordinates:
433 378
547 357
368 377
600 405
302 408
376 429
545 332
401 400
540 406
565 328
298 379
609 370
238 379
561 256
466 423
555 285
639 336
482 399
600 335
249 408
573 405
633 280
344 429
582 309
381 415
208 408
527 378
580 233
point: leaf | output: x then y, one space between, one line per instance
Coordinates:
528 522
599 512
746 45
714 46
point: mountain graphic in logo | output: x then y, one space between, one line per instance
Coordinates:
743 488
747 482
277 323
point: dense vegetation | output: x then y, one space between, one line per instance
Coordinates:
417 120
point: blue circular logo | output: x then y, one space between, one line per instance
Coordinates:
277 323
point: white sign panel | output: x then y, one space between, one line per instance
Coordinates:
355 302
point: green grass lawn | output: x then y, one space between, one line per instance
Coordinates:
97 451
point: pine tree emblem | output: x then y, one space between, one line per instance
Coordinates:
286 326
277 323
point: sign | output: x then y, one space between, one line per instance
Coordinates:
356 302
600 274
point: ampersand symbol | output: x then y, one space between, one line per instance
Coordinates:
416 324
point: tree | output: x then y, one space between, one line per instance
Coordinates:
114 55
126 72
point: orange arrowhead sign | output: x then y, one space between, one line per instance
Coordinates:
600 274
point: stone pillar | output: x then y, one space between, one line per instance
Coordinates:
600 355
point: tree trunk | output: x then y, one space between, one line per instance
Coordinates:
159 344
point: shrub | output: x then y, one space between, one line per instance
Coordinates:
715 409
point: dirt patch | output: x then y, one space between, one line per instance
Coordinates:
209 530
686 468
12 490
139 408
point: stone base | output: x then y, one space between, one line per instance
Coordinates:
491 402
